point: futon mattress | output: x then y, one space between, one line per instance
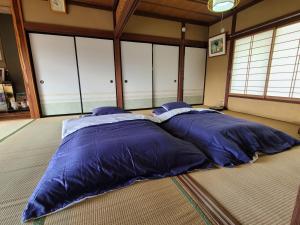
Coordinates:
95 159
226 140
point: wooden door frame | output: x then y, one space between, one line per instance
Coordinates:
24 57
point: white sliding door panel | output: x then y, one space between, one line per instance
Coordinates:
55 67
137 74
165 73
96 72
194 74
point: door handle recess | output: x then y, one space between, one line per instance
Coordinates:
111 81
126 81
175 81
42 82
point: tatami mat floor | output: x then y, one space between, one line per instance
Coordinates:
8 127
24 157
259 193
263 192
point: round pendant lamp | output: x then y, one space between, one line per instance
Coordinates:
220 6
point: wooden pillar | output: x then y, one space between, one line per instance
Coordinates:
122 10
118 63
24 57
118 72
296 213
181 65
230 61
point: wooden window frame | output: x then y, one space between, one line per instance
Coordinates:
265 96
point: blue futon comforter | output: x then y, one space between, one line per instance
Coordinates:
100 158
226 140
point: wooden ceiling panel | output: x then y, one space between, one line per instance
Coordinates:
190 11
177 11
180 5
184 10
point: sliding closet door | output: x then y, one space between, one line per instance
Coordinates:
165 74
194 74
96 72
137 74
56 73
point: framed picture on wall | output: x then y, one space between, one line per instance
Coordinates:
58 6
217 45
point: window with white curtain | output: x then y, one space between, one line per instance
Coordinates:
266 64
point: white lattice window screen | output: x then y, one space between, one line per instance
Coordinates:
250 64
284 80
267 64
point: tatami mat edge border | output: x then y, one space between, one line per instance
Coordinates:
39 221
191 201
1 140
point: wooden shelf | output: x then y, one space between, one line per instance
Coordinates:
14 115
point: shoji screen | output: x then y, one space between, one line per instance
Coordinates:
56 73
194 74
96 72
250 64
165 74
284 79
137 74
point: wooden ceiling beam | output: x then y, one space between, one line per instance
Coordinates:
67 30
137 12
5 10
90 5
123 11
203 2
150 39
116 2
179 9
172 18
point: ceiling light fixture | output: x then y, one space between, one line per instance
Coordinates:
219 6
